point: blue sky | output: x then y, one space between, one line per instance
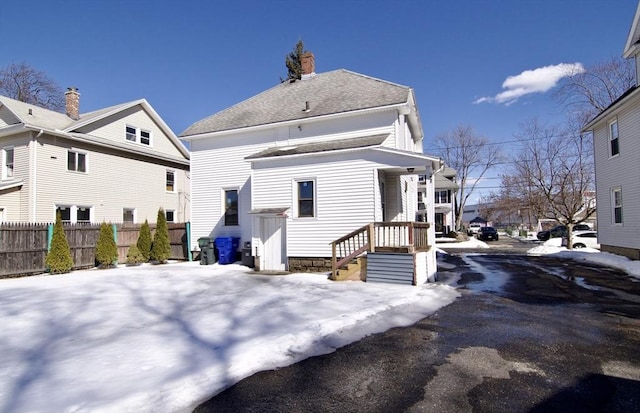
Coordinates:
190 59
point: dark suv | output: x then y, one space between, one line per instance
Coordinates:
560 231
487 233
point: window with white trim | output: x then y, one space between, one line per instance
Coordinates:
170 181
614 142
170 214
616 205
231 207
76 161
306 197
74 213
137 135
129 215
7 162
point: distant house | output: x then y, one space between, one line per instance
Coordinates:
445 187
616 141
295 168
117 164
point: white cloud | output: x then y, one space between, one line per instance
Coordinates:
538 80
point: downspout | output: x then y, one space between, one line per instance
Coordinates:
34 178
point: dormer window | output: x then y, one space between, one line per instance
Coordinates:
137 135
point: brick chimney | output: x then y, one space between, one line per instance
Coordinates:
308 63
72 100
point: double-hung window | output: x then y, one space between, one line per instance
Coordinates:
306 199
7 163
170 181
74 213
616 205
137 135
231 207
614 145
170 214
76 161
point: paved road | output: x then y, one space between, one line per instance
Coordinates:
529 334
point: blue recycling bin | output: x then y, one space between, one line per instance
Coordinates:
227 249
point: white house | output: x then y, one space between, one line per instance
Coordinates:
302 164
616 142
117 164
444 200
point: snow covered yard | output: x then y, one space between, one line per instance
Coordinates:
164 338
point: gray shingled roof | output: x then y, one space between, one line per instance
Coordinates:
328 93
334 145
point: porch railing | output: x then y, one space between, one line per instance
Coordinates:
407 237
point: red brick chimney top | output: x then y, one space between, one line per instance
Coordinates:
308 65
72 103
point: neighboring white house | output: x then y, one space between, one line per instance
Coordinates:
444 200
616 142
118 164
306 162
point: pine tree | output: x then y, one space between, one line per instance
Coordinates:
106 250
59 259
292 61
134 256
144 241
161 248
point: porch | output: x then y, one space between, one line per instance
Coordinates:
395 252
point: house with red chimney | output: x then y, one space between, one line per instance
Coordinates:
319 174
118 164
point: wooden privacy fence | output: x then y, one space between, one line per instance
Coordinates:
23 247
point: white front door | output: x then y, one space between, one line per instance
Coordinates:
272 235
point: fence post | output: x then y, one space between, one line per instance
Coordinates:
115 233
187 229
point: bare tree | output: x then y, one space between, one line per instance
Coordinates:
586 93
26 84
554 173
471 155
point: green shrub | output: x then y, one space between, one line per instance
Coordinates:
144 241
134 256
58 258
106 250
161 248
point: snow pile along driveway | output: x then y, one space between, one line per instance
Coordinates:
164 338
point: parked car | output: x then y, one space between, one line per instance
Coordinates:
474 227
560 231
583 239
488 233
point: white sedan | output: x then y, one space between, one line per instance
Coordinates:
583 239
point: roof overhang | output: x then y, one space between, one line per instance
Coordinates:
632 46
293 122
16 183
626 97
273 212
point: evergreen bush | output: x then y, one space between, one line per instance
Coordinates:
144 241
134 256
106 250
58 258
161 248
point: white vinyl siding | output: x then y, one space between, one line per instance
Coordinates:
115 130
116 181
342 205
621 171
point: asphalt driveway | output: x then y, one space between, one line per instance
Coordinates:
529 334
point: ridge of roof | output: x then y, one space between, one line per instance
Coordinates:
328 93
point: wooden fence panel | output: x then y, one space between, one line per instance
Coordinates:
82 240
23 247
